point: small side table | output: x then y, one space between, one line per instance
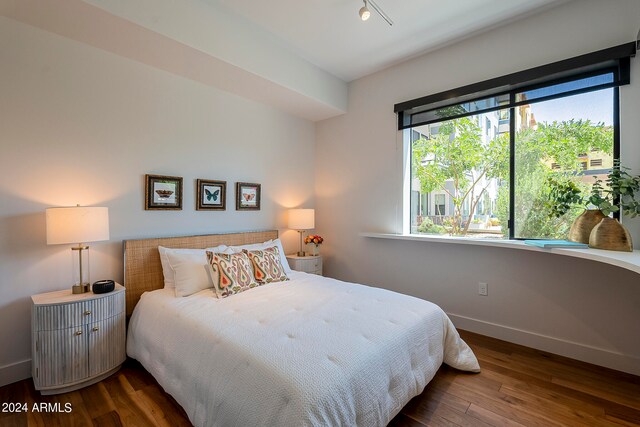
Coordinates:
309 264
77 339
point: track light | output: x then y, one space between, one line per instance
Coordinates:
364 12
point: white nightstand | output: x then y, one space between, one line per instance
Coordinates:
76 339
309 264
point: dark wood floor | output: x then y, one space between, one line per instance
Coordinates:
517 386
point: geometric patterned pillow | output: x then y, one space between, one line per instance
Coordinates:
267 267
230 273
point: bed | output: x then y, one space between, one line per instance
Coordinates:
310 351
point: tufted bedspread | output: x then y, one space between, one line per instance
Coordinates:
312 351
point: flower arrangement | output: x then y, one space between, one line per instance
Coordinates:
314 238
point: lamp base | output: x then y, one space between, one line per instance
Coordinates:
301 254
80 289
82 268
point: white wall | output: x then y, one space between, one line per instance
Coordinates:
569 306
80 125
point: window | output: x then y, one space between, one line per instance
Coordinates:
564 130
465 168
485 155
459 160
503 114
439 204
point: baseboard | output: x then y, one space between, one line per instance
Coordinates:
15 372
586 353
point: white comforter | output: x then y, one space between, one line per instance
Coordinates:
312 351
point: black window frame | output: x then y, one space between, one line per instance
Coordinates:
615 60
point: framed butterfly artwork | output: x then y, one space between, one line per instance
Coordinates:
212 195
162 192
247 196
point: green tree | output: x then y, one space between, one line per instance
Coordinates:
564 143
457 154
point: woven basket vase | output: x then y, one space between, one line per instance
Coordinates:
609 234
583 224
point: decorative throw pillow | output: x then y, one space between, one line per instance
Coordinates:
264 245
230 273
267 267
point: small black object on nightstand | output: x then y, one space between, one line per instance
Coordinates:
103 286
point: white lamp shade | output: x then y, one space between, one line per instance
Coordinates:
302 219
79 224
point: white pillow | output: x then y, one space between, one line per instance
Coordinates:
265 245
167 270
190 273
252 247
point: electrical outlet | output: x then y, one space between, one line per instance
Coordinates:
483 289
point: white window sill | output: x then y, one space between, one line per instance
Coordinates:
627 260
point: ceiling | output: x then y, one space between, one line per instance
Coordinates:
295 55
330 34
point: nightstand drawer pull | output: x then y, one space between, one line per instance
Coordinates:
87 313
78 332
94 329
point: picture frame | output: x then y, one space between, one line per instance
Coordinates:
162 192
248 196
211 195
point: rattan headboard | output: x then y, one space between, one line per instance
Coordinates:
142 267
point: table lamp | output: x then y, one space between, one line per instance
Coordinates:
301 220
79 224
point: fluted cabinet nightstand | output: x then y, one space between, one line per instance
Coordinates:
309 264
77 339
